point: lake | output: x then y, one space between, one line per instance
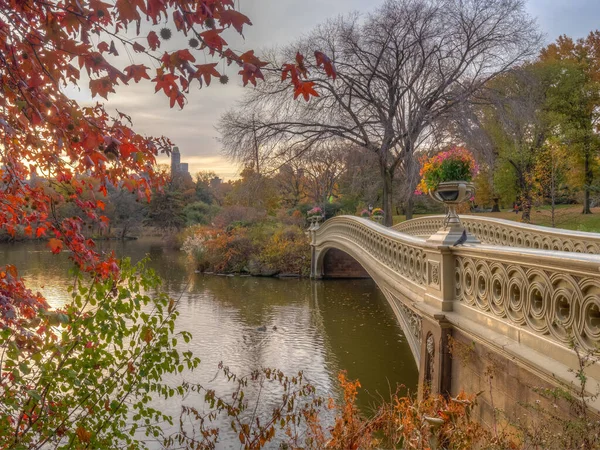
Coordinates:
318 327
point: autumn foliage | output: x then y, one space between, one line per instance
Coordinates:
48 46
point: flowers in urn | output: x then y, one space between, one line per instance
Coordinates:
365 213
455 164
447 178
314 217
316 211
377 215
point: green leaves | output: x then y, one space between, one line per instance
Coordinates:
96 367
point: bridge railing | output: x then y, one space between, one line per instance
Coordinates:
509 234
403 254
531 305
550 294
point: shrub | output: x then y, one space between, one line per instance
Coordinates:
200 213
84 376
265 248
287 251
331 209
242 214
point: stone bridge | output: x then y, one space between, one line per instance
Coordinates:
505 314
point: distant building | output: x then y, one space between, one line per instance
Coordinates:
215 182
177 167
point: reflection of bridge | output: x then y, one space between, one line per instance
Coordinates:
511 307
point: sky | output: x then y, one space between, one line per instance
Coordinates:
277 22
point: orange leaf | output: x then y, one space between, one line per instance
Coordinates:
55 245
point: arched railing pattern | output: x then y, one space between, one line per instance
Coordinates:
510 234
399 252
522 301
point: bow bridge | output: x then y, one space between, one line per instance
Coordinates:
504 313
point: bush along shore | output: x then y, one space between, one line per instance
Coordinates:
265 248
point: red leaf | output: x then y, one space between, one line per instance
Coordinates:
103 47
300 62
127 149
113 49
306 89
234 18
55 245
137 72
153 40
101 86
206 71
250 73
322 58
139 48
40 231
213 40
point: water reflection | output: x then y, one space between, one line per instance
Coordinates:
318 327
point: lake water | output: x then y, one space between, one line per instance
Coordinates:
319 327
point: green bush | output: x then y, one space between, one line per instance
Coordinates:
200 213
84 376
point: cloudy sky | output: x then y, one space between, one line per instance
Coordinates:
278 22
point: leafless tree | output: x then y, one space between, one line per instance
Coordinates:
323 166
399 69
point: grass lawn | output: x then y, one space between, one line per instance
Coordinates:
567 216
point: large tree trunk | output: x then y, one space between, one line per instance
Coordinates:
526 207
410 203
496 205
589 177
388 208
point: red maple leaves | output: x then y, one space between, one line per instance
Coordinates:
73 149
297 72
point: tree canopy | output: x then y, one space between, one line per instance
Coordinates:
399 69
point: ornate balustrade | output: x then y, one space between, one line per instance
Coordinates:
403 254
509 234
529 305
551 294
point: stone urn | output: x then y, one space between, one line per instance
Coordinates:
378 218
314 222
451 194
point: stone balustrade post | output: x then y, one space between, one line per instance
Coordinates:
440 291
312 231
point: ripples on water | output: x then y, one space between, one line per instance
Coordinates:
320 327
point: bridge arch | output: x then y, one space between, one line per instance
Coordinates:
338 259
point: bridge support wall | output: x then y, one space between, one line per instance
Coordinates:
339 264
